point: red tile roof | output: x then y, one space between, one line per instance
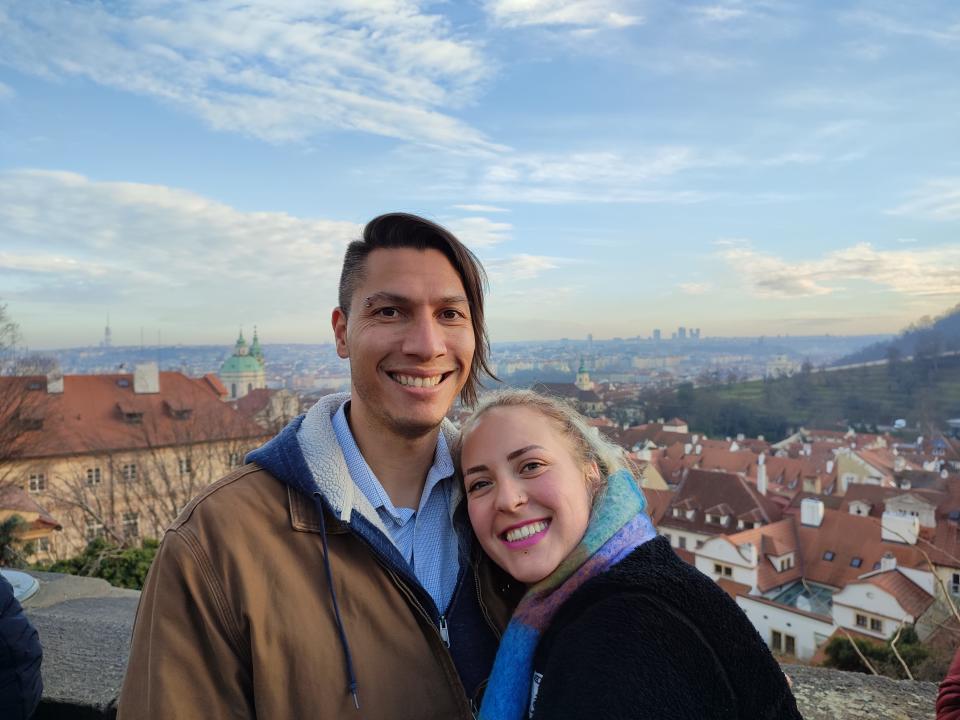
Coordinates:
776 539
848 537
17 499
912 598
702 490
88 416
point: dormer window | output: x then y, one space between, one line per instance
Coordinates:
829 555
133 418
690 514
182 413
709 518
740 525
676 512
856 562
724 520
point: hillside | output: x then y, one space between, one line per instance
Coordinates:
928 337
924 391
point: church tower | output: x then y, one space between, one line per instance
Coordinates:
243 371
583 381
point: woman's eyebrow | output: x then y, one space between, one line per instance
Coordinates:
475 468
521 451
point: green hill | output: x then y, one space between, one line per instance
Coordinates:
924 392
924 338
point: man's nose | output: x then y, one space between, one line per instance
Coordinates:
424 338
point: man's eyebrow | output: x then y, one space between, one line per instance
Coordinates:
395 299
521 451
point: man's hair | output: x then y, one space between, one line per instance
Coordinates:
403 230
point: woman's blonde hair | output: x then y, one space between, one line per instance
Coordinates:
586 443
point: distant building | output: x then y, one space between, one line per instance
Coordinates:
583 381
656 334
245 369
117 455
107 335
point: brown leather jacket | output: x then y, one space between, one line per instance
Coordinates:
236 620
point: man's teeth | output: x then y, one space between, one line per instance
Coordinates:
526 531
417 381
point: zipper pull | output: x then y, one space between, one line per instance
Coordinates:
444 631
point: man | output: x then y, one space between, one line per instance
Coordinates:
331 576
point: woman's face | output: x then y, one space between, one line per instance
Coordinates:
527 494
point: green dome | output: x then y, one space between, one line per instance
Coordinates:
236 364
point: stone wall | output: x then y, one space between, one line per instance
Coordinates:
85 625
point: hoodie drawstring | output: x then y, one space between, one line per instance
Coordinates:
351 678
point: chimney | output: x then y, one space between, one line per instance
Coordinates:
749 553
888 562
762 474
899 527
55 382
761 438
741 437
695 439
811 512
829 467
146 378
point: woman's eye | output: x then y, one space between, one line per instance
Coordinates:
477 485
531 466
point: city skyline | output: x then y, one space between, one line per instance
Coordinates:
748 168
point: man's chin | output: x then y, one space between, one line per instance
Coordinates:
414 428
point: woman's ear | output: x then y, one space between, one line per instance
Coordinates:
593 476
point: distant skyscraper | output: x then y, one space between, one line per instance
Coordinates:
656 334
682 333
107 336
695 333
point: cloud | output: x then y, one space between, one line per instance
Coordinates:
936 200
520 267
581 14
71 240
589 177
921 273
482 208
276 71
941 30
719 13
695 288
6 92
478 232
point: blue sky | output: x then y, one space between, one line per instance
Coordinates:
745 167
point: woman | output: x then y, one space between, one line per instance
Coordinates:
613 624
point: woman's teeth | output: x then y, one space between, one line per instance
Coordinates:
526 531
413 381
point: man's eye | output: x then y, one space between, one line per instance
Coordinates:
388 312
451 314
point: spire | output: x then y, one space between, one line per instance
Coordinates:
255 349
241 347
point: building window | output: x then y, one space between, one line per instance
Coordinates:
129 472
876 625
186 467
786 563
43 544
682 542
856 562
783 643
721 569
37 482
955 584
829 556
676 512
861 620
93 476
94 529
131 525
789 645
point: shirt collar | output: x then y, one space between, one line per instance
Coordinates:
364 478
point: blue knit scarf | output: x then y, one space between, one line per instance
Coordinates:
618 525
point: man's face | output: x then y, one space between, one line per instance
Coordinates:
409 340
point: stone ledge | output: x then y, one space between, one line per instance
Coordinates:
85 626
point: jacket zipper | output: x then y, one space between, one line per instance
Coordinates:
483 607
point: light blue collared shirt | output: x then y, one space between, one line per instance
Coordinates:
425 537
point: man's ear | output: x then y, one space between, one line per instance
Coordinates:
339 321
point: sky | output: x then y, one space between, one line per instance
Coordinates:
748 168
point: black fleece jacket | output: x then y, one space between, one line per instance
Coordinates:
655 638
